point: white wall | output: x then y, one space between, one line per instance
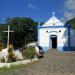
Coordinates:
44 36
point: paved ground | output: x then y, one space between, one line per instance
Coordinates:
53 63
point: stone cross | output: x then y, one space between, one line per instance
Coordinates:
8 35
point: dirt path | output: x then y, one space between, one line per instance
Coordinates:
53 63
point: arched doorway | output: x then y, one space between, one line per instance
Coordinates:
53 41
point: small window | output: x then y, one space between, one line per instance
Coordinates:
59 30
54 24
47 31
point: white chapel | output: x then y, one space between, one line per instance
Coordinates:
54 34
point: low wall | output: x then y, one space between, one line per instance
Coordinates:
8 65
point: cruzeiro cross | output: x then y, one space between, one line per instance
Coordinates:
8 35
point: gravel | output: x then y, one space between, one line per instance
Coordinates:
53 63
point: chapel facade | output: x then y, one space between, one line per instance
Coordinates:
54 34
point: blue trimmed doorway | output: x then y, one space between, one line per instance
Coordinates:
53 41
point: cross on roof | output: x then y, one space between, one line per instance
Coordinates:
8 31
53 17
39 24
53 13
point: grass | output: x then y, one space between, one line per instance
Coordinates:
14 69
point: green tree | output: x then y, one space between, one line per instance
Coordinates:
71 22
24 29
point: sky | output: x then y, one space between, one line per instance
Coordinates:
39 10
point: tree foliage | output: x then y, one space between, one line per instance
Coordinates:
25 30
71 22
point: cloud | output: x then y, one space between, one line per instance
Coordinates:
31 6
69 15
70 4
70 9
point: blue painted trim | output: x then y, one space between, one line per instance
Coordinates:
63 48
66 48
69 41
69 48
51 27
67 26
72 48
53 31
60 48
45 48
53 36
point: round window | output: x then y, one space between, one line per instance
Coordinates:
59 30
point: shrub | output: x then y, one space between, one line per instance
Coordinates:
24 52
11 55
30 53
1 46
3 60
